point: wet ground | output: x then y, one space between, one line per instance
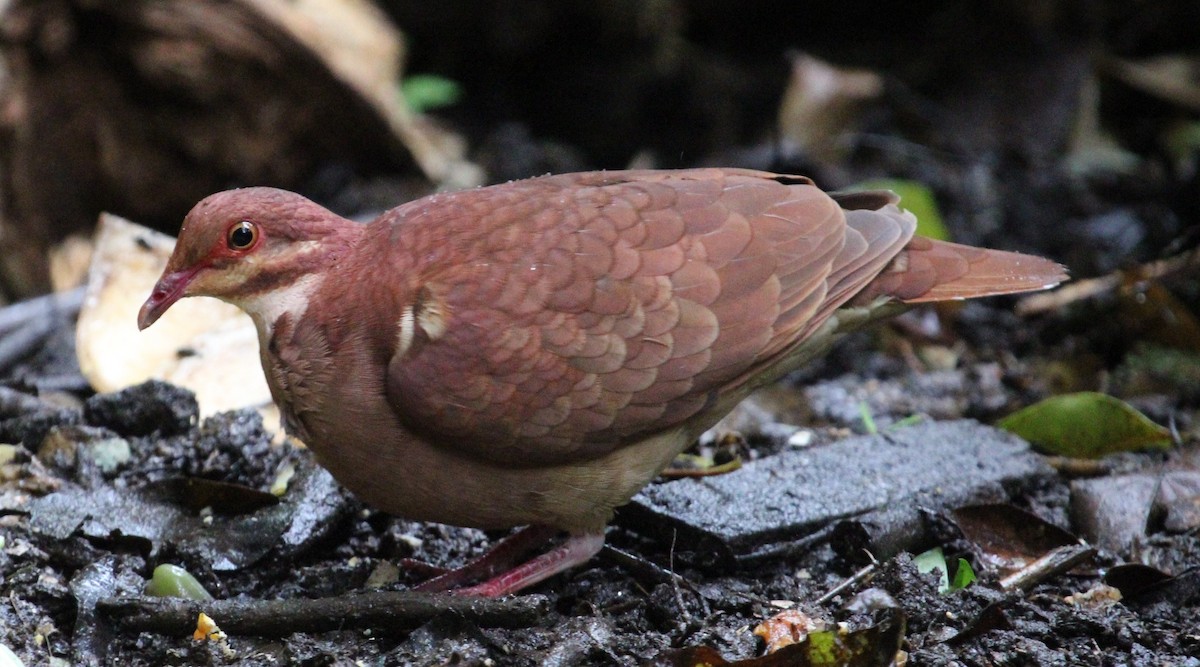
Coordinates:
100 492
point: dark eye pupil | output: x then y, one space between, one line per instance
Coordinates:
241 236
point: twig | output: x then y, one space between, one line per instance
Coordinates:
24 325
646 571
375 609
1086 289
14 403
22 312
1053 563
19 344
858 577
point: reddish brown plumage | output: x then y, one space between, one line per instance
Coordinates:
535 352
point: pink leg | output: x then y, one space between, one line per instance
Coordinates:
578 549
504 556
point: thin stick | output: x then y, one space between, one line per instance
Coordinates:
1053 563
1086 289
17 314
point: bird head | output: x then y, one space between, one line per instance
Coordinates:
244 246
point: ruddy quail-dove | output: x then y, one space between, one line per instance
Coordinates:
533 353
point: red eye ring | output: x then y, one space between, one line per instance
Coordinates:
242 235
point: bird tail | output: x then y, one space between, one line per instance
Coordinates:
928 270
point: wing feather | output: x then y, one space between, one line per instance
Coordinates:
586 311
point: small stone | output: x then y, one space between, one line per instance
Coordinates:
150 407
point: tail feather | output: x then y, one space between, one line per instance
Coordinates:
928 270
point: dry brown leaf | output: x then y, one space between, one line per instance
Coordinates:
788 627
1174 78
822 102
359 45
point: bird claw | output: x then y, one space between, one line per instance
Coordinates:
505 575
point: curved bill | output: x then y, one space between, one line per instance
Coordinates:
169 289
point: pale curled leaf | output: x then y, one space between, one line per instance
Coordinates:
201 344
8 658
932 560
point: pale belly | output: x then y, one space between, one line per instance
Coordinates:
409 477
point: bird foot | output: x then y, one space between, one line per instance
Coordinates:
576 550
421 568
504 570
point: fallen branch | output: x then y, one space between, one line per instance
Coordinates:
383 610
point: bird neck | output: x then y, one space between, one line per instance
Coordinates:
291 300
289 287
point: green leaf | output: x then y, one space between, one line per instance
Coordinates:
964 575
935 559
868 421
918 199
1086 425
932 560
1182 140
907 421
175 582
424 92
822 647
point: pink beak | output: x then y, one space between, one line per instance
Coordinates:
170 288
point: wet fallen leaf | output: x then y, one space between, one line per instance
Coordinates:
991 618
1086 425
1151 312
1179 590
1008 538
872 646
1133 578
197 493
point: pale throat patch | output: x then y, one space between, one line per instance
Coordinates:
266 308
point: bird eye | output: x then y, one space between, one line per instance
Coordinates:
242 235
